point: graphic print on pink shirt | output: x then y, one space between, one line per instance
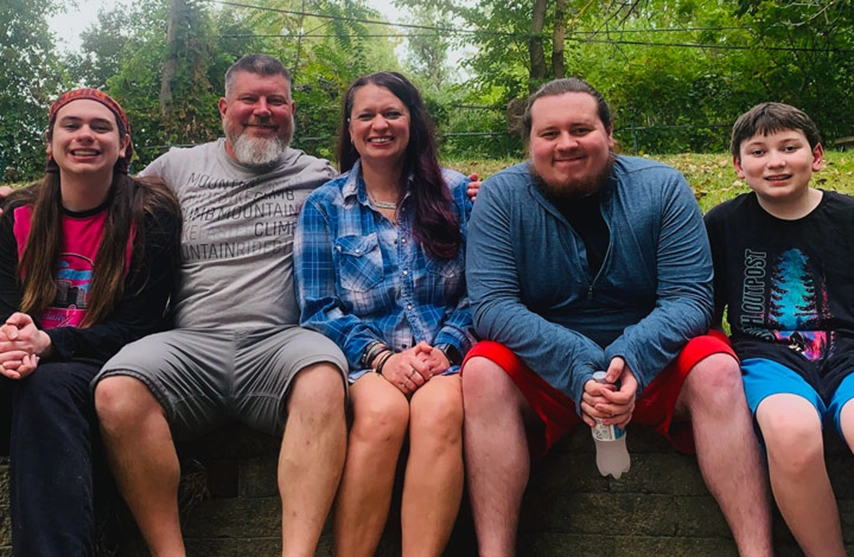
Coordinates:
73 273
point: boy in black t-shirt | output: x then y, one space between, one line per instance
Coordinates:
783 270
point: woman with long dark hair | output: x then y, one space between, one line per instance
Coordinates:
379 259
88 259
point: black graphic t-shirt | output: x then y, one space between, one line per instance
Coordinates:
788 286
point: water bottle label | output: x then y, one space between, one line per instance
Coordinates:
607 432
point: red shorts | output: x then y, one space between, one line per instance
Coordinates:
654 408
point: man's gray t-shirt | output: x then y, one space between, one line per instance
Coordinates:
237 243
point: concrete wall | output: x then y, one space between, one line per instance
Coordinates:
661 507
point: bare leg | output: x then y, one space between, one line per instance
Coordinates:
433 487
312 456
142 457
380 419
496 452
792 431
727 450
846 422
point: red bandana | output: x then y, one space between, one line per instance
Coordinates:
104 99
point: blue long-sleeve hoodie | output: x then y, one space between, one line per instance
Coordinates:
532 290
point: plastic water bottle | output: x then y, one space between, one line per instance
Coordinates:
612 457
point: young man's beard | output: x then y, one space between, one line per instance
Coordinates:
574 189
255 151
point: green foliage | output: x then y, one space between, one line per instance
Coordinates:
501 36
813 68
664 98
427 52
678 72
711 175
124 53
126 49
472 130
30 80
326 53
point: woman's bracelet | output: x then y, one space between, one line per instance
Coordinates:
374 349
386 356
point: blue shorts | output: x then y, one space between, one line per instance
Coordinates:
763 378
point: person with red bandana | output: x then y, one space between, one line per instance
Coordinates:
88 260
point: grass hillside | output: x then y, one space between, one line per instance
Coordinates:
712 177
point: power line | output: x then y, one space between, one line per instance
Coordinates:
705 46
517 35
523 36
720 46
458 30
341 18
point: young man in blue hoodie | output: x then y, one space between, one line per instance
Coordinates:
582 260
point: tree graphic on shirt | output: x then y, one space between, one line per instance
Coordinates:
794 307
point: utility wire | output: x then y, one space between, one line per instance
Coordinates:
340 17
460 31
524 36
714 46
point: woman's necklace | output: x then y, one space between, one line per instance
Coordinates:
382 204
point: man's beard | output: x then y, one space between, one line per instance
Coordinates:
255 151
574 189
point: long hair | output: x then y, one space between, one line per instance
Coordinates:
129 202
435 224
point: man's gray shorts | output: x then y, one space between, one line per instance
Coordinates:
205 378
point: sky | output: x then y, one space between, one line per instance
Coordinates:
68 26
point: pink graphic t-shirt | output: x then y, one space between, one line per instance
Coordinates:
82 236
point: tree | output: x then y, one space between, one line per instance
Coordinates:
126 52
102 46
30 80
514 37
536 51
178 22
559 39
809 58
428 42
326 44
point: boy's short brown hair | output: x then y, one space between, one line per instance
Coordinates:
769 118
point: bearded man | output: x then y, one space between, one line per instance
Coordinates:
236 351
582 260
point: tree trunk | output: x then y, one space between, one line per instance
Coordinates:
559 38
177 9
539 70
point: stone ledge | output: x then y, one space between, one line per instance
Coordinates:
661 507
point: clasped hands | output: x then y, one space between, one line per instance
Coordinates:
606 402
411 369
21 343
